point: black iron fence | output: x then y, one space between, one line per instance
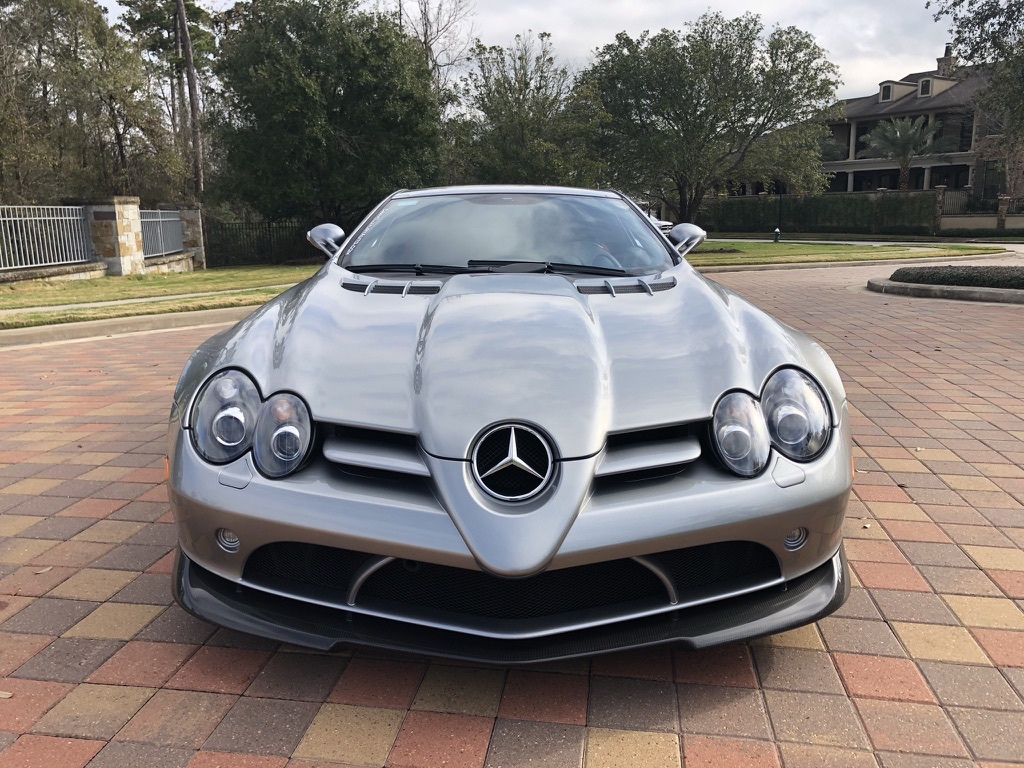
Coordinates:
230 244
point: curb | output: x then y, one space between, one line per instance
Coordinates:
97 328
957 293
865 263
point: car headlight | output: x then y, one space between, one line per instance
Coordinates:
797 414
224 416
740 434
283 435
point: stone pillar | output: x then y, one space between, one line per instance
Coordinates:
1002 210
116 231
927 177
849 181
940 204
853 142
192 234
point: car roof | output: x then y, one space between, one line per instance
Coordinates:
490 189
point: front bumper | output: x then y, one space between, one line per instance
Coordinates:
775 609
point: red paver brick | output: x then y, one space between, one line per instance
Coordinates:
31 751
431 739
16 649
177 719
645 663
905 727
1011 582
164 565
726 665
881 493
369 682
34 580
235 760
911 530
891 576
30 700
873 550
546 696
883 677
143 663
722 752
219 670
96 508
1005 647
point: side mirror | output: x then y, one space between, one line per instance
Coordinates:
327 237
685 237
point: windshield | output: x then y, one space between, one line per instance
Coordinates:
469 230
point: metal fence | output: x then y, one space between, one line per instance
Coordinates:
230 244
43 236
161 233
957 202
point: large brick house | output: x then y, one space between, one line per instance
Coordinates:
945 94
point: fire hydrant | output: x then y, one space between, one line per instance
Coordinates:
777 235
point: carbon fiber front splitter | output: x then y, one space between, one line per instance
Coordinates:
775 609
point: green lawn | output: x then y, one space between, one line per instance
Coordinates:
729 252
252 286
51 294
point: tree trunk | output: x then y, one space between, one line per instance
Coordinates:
904 178
193 97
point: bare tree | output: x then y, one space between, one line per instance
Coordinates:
193 97
444 29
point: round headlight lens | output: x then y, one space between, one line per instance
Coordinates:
740 435
224 416
283 435
797 414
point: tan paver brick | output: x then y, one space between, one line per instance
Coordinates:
994 612
354 735
93 711
461 690
12 525
939 643
115 621
109 531
1001 558
609 748
94 584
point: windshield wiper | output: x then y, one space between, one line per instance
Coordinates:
418 269
512 265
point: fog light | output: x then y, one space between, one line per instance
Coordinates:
228 541
795 539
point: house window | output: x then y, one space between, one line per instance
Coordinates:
924 88
886 93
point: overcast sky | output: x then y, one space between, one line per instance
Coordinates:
869 40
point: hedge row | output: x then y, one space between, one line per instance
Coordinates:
892 213
974 277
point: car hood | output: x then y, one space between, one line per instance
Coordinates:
489 348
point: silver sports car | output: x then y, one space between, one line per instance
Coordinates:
509 424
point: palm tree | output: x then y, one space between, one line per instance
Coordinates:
903 141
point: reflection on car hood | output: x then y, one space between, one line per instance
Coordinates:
504 347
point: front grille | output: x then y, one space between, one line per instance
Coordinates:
305 569
475 593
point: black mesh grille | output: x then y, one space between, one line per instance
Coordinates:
474 593
479 594
305 564
397 289
656 287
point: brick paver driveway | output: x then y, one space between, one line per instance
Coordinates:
923 667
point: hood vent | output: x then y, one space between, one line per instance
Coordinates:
625 285
393 287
